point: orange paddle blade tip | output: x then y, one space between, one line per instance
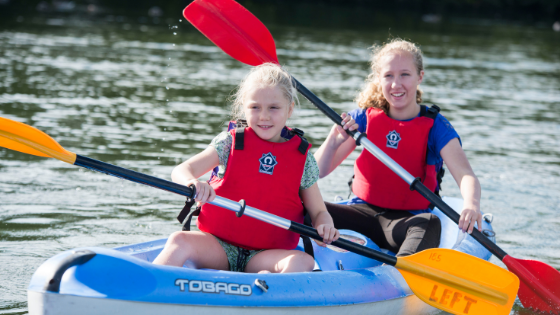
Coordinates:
459 283
20 137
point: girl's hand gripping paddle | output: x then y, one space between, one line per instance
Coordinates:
242 36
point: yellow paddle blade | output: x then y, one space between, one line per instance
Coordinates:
459 283
24 138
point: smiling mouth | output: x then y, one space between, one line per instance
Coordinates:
397 94
264 127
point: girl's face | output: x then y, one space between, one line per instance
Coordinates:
267 111
399 79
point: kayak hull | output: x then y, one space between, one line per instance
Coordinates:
52 303
124 281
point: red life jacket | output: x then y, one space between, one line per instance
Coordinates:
267 175
406 142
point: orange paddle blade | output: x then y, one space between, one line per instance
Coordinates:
24 138
459 283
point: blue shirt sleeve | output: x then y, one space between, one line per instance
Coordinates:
441 133
360 117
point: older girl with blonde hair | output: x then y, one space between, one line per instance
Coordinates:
418 138
270 167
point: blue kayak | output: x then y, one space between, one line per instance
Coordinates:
123 280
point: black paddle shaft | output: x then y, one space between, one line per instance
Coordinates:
140 178
415 185
133 176
345 244
334 116
453 215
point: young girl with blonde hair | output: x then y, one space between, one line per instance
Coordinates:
267 165
418 138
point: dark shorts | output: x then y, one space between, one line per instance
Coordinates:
238 257
396 230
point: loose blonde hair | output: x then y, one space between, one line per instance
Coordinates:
372 95
265 75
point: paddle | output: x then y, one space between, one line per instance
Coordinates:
446 279
241 35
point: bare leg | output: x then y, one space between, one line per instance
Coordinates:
280 261
200 248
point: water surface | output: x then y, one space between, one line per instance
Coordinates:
148 96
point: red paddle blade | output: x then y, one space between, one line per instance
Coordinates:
234 29
539 287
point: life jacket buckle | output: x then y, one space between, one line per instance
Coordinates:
434 109
297 131
241 123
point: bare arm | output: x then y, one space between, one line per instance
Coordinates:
457 163
336 147
188 172
320 217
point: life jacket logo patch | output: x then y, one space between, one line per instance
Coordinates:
393 139
268 162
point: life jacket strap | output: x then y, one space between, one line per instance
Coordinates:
239 132
187 214
432 113
187 225
186 211
240 136
304 144
307 245
429 112
188 204
439 177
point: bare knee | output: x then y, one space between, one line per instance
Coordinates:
177 250
308 262
177 239
299 262
305 261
